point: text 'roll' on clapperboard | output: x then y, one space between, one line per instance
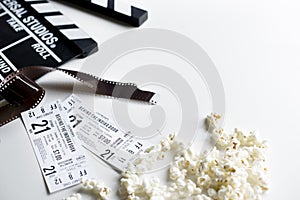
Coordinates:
35 33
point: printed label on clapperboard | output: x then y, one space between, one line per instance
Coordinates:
57 148
101 136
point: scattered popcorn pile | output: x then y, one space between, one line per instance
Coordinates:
96 187
234 170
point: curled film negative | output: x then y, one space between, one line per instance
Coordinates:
21 92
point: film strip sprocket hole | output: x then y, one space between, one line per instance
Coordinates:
21 91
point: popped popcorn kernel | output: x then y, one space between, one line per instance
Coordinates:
96 187
75 196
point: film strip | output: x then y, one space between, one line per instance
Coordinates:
20 91
116 9
29 36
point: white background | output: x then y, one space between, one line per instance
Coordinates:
254 45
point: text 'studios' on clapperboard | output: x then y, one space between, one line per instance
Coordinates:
35 33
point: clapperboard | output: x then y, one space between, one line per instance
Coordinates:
33 32
118 9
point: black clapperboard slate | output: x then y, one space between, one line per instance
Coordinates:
133 15
33 32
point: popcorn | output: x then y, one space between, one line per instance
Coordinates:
212 121
97 187
133 187
234 169
202 197
146 160
75 196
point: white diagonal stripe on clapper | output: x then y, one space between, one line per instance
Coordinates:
123 7
102 3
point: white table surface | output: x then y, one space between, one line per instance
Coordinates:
254 46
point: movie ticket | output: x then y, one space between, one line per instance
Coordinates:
58 150
101 136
